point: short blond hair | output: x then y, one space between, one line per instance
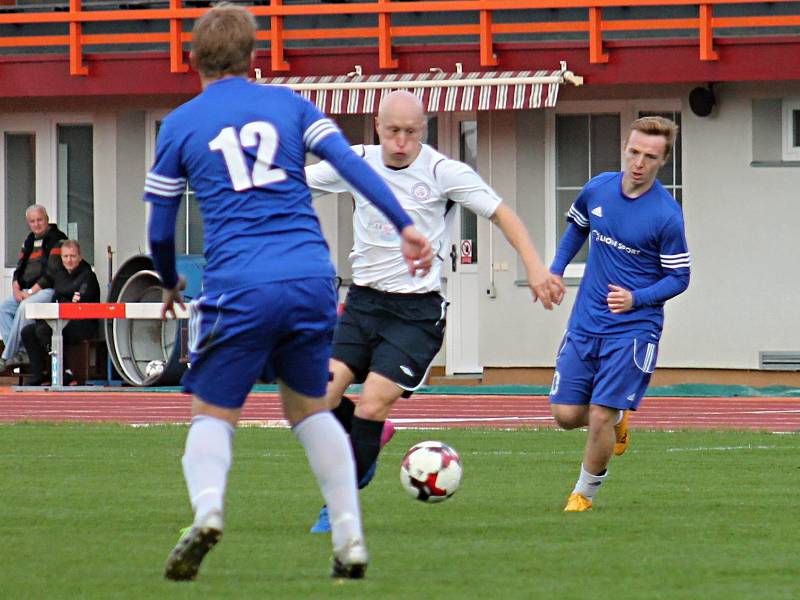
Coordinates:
223 40
655 125
72 244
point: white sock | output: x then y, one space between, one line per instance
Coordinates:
620 414
206 462
331 459
588 484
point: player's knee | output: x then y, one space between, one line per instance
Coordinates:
569 416
373 409
602 416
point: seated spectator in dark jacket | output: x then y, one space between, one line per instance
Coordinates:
39 253
74 281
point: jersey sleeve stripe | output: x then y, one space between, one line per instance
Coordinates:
161 191
674 256
170 187
675 261
577 217
166 188
681 265
318 131
165 180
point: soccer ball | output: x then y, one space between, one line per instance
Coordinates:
431 471
154 369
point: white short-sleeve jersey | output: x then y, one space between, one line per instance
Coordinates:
423 189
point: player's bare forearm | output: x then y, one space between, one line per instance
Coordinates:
517 235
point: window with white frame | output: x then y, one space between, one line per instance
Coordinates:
586 145
589 142
75 186
790 124
20 189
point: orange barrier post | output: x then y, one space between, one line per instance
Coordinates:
596 54
176 62
276 40
707 51
76 66
385 58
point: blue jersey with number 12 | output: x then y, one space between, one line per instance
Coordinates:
242 149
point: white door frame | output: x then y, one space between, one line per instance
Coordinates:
463 285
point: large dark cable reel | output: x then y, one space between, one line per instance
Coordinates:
150 352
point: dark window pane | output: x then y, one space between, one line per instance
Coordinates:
20 188
572 150
195 224
433 132
796 128
468 153
76 186
606 146
677 152
180 227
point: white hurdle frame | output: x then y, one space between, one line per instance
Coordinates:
51 312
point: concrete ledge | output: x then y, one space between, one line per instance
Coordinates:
662 376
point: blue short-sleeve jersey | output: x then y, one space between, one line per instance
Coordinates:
242 149
636 243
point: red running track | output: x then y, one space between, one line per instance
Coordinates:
421 411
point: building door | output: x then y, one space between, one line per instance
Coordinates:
458 138
28 178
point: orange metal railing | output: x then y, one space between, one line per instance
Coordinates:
485 29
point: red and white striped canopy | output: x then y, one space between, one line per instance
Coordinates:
439 92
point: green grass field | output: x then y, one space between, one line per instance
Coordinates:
91 511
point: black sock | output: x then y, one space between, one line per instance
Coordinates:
344 413
366 440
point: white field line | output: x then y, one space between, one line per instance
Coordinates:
728 448
726 413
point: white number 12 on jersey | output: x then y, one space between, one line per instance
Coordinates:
259 133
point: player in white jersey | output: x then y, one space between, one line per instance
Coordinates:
426 188
393 323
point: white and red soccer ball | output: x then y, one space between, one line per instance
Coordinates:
431 471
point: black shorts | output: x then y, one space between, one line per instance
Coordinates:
394 335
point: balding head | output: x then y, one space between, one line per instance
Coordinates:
401 103
400 126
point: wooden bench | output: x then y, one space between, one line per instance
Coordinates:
87 360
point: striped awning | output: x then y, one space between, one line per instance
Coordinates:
439 92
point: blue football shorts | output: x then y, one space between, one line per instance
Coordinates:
281 330
611 372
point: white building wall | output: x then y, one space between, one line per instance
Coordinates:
744 295
741 226
740 220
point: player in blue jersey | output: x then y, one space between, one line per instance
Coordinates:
638 259
269 305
